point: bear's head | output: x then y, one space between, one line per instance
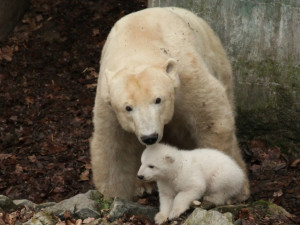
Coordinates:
143 99
159 162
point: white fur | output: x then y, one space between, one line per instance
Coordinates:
184 176
166 53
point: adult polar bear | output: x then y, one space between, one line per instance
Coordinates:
164 75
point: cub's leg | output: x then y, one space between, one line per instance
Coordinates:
182 202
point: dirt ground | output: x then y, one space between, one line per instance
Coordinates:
48 75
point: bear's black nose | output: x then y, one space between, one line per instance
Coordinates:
141 177
150 139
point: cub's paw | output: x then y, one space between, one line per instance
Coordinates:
160 218
175 213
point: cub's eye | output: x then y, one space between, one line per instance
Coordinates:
158 100
128 108
151 167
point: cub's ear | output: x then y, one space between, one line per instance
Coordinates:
171 69
169 159
104 86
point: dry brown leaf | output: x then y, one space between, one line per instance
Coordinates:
88 166
278 193
29 100
88 220
6 53
5 156
84 175
295 163
32 158
78 222
61 223
96 32
90 86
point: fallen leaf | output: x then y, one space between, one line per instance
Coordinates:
88 220
29 100
295 163
7 53
5 156
278 193
96 32
61 223
84 175
13 118
78 222
32 158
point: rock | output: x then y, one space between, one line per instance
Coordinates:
44 205
79 206
270 208
211 217
42 218
11 11
6 203
278 210
122 207
25 202
238 222
31 205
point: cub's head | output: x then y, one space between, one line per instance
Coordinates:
142 100
158 163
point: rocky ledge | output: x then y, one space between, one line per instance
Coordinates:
92 209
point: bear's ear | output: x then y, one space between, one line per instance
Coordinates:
104 86
169 159
171 69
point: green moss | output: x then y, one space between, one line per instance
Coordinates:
261 203
104 203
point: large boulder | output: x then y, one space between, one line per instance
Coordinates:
11 11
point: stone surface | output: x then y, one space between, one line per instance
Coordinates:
262 39
25 202
11 11
6 203
121 207
41 218
44 205
270 208
211 217
80 206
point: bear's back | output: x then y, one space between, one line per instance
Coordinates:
209 161
152 36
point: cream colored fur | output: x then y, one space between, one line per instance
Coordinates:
184 176
166 53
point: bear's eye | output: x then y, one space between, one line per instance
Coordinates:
151 166
158 100
128 108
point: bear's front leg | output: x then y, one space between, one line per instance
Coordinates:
115 157
182 202
166 202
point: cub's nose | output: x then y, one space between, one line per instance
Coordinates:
150 139
141 177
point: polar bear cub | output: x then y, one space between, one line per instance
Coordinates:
184 176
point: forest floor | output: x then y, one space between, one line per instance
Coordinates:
48 74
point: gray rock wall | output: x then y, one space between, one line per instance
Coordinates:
262 39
